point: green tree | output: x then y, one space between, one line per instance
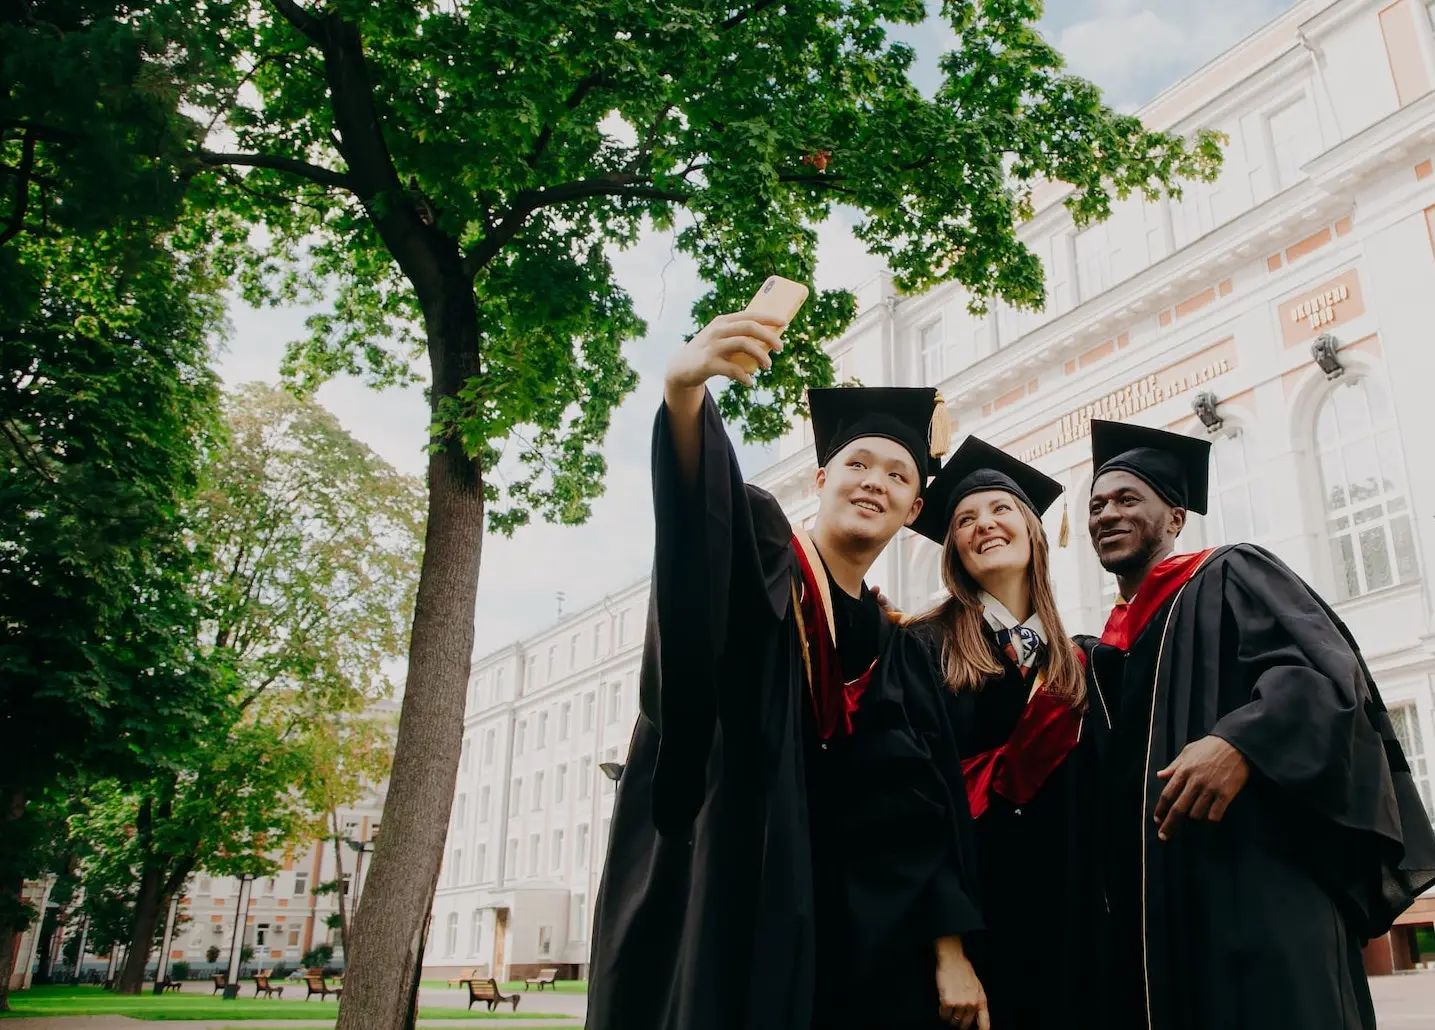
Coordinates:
453 174
313 551
106 317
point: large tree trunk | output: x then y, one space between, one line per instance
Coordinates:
404 871
148 907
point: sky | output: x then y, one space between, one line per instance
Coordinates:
1132 50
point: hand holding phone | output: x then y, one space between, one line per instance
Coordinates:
777 299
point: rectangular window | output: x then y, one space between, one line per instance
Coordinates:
1406 720
483 800
515 794
480 863
597 641
557 850
622 627
1295 139
455 866
929 343
580 847
511 861
301 883
538 791
565 719
490 739
573 652
588 706
261 935
552 659
542 731
545 940
578 918
535 845
293 938
560 784
520 732
530 672
460 812
615 702
498 685
585 778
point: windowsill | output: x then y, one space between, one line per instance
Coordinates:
1375 597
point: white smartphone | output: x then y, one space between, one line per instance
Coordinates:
779 299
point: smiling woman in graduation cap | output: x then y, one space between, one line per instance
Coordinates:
1260 818
786 846
1016 700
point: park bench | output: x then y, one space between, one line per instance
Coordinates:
545 977
221 981
459 981
170 985
315 983
264 987
487 991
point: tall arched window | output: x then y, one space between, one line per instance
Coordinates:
451 936
1362 473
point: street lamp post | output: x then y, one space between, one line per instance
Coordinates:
241 915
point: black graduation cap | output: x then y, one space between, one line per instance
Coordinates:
1175 465
914 417
978 465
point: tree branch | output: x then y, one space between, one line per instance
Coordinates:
310 26
526 202
22 190
314 173
585 86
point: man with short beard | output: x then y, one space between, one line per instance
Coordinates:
1261 820
788 835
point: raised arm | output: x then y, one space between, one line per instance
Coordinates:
712 352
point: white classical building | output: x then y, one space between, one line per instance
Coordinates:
1285 310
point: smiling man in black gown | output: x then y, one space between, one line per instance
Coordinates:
1261 819
787 838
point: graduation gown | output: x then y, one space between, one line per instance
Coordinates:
1037 860
1256 921
758 876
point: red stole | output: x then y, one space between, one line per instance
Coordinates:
1129 618
834 700
1045 733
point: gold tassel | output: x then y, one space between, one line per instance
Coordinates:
1063 535
939 434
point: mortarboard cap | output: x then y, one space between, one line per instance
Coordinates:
1175 465
914 417
977 466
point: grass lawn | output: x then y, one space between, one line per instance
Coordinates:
94 1001
562 987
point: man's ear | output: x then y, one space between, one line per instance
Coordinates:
821 479
916 510
1178 521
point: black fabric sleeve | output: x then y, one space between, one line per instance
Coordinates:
720 546
1316 730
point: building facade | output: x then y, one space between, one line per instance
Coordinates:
1281 310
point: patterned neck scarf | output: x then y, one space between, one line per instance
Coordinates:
1023 642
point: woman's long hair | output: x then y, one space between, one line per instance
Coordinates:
967 659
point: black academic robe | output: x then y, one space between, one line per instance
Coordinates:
1256 921
751 871
1040 959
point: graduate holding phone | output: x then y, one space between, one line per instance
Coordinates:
788 839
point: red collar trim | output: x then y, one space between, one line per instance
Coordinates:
1128 619
834 701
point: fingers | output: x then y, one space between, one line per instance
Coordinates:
731 346
1218 808
984 1017
766 330
1169 794
1201 809
1179 809
734 371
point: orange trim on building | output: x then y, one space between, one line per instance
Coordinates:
1342 227
1195 302
1309 245
1009 398
1097 353
1424 170
1164 318
1400 24
1273 263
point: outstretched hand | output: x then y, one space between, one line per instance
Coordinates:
713 350
1200 784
